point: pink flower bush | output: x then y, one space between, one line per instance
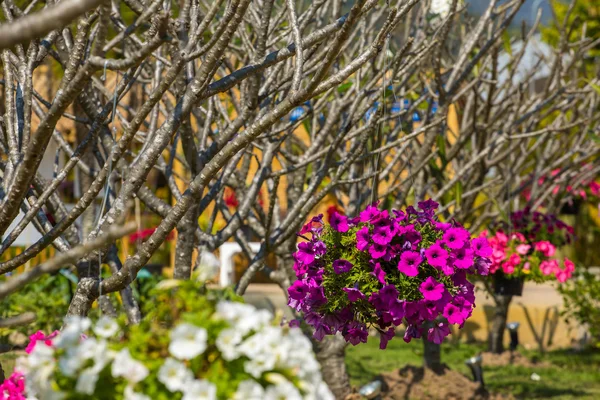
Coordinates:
528 251
384 269
13 388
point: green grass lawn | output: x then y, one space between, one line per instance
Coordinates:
569 375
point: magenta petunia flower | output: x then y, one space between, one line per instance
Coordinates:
436 255
378 250
409 263
438 332
379 273
340 266
428 204
305 253
443 226
356 335
298 290
339 222
300 269
397 311
482 247
384 232
369 213
319 248
455 238
432 289
482 265
388 294
362 238
354 294
385 337
453 314
412 332
463 258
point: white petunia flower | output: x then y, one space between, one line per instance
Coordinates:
71 334
282 391
106 327
124 365
259 364
244 317
227 343
187 341
249 390
86 382
129 394
200 390
76 357
42 355
174 375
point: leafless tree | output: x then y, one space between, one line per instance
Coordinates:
264 97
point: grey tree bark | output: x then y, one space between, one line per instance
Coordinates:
331 355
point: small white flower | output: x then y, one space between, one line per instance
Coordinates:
249 390
227 343
41 356
86 382
200 390
129 394
259 364
187 341
282 391
207 267
106 327
174 375
124 365
71 334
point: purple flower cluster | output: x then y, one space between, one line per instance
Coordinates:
380 270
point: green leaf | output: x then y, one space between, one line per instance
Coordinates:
506 42
344 87
458 193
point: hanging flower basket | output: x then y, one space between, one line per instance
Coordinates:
528 251
384 269
506 286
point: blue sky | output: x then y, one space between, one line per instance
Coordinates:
527 11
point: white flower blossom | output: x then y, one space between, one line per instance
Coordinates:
129 394
249 390
125 366
187 341
259 364
71 334
86 382
174 375
76 357
200 390
106 327
243 317
227 343
282 391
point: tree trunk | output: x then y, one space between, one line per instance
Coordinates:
331 355
1 374
186 237
496 339
432 356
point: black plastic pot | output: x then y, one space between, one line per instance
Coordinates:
571 207
507 286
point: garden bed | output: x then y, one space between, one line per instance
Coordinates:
411 382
